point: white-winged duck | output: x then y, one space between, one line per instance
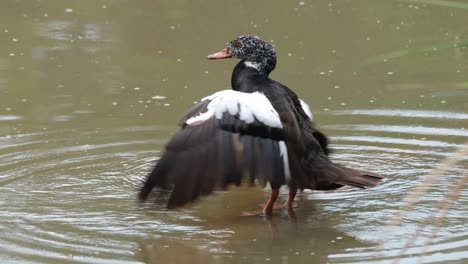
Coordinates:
259 131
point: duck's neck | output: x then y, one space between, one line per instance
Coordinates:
247 77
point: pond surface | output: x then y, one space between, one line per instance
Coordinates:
90 91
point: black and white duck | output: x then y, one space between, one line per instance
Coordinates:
259 131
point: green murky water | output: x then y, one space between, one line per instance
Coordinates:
91 90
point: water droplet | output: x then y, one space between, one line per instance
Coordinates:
12 54
68 10
103 6
158 97
14 39
443 102
390 73
136 88
114 103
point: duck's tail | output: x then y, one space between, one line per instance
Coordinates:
358 178
333 176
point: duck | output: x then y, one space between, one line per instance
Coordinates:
258 132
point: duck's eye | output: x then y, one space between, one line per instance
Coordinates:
237 44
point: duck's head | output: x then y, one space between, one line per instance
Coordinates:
252 50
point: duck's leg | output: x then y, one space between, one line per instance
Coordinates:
292 195
289 203
268 209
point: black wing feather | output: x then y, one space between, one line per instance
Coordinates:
216 153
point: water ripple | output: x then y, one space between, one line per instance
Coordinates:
418 130
10 117
404 113
75 200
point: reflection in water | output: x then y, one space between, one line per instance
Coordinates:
90 95
255 240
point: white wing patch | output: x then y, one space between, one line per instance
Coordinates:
306 109
284 156
249 107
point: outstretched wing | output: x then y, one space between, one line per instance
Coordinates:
225 138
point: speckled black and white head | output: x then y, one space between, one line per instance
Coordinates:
252 50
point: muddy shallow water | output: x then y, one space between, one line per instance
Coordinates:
90 91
